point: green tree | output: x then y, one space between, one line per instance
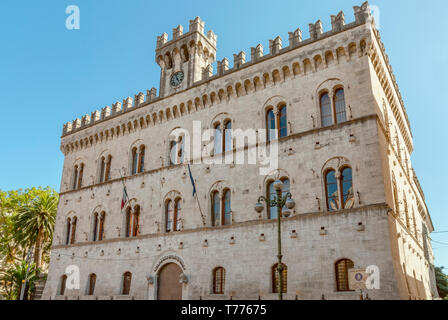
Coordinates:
13 277
442 283
34 222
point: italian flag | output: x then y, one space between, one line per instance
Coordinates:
125 198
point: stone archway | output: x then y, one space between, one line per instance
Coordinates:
169 287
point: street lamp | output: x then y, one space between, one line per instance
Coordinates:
279 201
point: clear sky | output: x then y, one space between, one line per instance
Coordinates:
50 75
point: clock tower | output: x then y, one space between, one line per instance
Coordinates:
186 58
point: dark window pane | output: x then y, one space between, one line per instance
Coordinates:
332 191
228 137
272 194
227 209
270 120
216 209
347 188
169 216
178 215
325 110
134 161
283 122
339 102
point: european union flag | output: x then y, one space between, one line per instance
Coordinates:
192 180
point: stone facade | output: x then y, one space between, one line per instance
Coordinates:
374 140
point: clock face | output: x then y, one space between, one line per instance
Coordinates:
176 79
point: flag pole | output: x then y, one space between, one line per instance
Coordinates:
124 187
200 210
195 193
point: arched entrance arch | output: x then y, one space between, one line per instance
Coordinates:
168 284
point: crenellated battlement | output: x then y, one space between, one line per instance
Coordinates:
174 54
196 26
107 112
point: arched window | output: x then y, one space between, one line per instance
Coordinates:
173 214
177 151
282 122
216 208
341 271
331 188
276 279
141 159
219 278
270 120
102 169
218 139
227 219
73 233
347 188
101 228
169 213
136 221
95 226
81 172
68 230
332 110
75 177
63 284
127 278
92 282
228 136
339 105
108 166
277 122
325 110
221 208
177 215
134 161
272 194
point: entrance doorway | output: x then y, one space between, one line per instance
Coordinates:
169 287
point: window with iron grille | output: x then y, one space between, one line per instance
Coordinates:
342 267
219 278
276 279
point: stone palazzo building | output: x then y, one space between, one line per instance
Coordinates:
344 148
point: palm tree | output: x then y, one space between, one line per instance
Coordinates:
34 223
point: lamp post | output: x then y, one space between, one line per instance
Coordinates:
279 201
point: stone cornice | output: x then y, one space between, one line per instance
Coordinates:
304 216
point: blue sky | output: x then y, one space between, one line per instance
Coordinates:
50 75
